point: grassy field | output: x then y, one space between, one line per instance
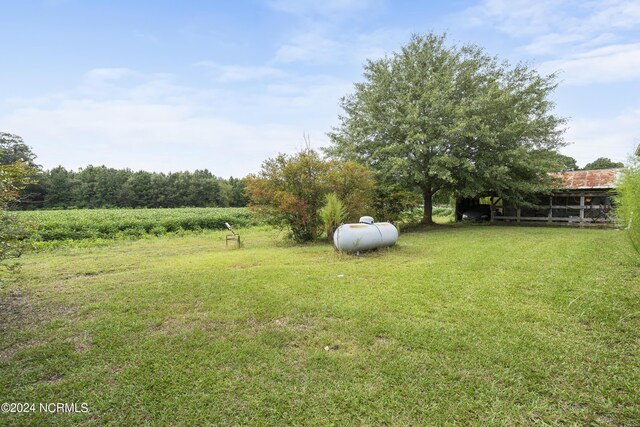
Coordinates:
470 325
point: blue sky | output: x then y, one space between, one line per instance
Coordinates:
222 85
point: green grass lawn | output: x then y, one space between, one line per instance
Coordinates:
472 325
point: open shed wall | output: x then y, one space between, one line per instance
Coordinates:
581 197
587 206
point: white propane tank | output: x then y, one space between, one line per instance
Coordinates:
365 235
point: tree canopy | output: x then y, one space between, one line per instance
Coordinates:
13 148
603 163
103 187
566 163
437 118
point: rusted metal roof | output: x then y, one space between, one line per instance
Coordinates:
579 180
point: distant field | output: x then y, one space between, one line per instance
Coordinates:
456 325
82 224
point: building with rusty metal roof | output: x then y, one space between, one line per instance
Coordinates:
593 179
581 197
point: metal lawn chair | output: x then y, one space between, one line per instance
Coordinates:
233 236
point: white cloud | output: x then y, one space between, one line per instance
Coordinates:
310 47
614 138
346 48
554 18
623 14
590 41
103 75
552 43
147 136
237 73
515 17
154 124
614 63
378 43
331 33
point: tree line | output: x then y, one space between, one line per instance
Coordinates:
568 163
103 187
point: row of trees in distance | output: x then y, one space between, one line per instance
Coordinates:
103 187
568 163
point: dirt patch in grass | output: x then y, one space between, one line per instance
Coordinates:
245 266
81 343
12 308
286 322
22 313
9 352
382 342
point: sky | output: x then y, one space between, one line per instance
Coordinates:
223 85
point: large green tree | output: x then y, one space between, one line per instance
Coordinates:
435 117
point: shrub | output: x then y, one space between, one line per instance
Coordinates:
332 214
14 238
14 232
289 191
628 202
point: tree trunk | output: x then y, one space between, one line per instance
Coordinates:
330 234
427 196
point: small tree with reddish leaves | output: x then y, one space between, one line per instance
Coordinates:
14 232
289 191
